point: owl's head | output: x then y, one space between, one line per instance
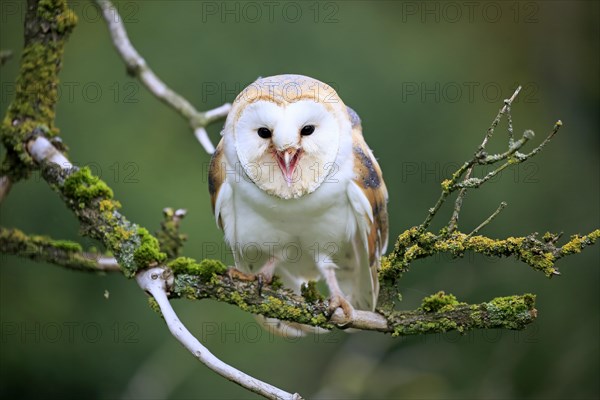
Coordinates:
286 130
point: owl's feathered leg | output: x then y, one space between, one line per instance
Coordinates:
265 275
336 296
267 271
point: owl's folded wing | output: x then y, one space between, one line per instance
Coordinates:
220 190
369 196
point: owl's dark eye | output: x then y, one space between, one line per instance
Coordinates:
264 133
307 130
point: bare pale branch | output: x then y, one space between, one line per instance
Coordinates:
138 67
156 282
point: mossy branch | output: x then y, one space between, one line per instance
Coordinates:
438 313
539 254
417 242
48 24
91 200
60 252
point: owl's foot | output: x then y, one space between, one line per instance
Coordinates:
339 301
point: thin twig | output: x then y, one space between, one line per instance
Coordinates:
557 126
517 158
479 158
513 148
137 66
488 220
503 110
155 282
510 130
453 224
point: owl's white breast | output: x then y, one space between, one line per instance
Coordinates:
295 231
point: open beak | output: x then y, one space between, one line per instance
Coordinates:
288 160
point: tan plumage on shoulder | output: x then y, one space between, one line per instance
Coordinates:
216 177
368 177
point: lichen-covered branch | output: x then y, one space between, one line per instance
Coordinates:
48 24
540 254
210 279
91 200
29 135
418 242
60 252
137 67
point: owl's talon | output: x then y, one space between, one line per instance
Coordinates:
339 301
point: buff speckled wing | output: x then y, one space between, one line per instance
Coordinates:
368 177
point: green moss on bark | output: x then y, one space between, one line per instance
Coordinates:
82 187
91 201
281 304
577 243
41 248
442 313
439 302
148 252
206 269
47 27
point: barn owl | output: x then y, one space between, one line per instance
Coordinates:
297 191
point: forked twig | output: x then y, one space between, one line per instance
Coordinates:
137 66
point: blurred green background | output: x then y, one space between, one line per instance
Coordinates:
427 78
